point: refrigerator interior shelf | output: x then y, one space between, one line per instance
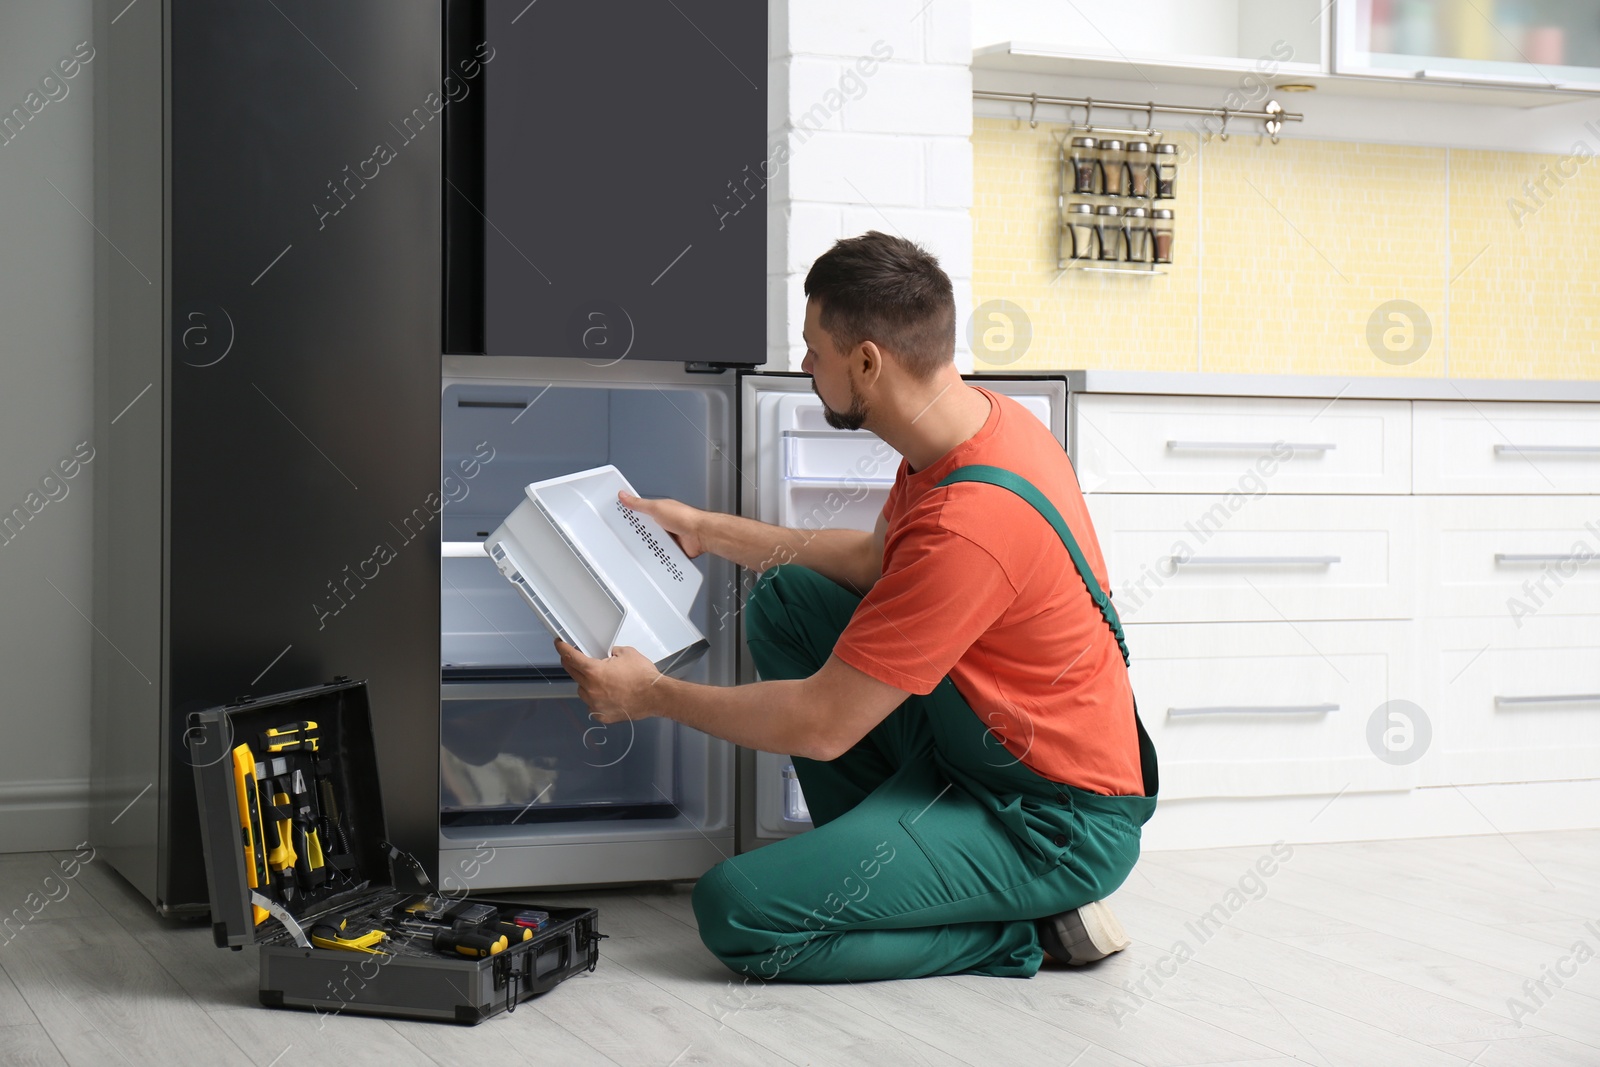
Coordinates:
838 457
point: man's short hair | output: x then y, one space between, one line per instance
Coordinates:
891 292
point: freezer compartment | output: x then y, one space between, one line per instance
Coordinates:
665 440
526 754
533 793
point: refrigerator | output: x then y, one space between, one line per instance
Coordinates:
320 364
531 791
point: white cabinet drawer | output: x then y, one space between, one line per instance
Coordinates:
1499 447
1511 556
1515 703
1206 444
1180 558
1270 709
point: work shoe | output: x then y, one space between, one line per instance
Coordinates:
1082 935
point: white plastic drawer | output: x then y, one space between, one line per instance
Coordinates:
1510 556
1499 447
1180 558
1271 709
1204 444
1516 701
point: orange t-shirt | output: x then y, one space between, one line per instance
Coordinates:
977 585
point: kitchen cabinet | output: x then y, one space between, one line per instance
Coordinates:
1254 556
1548 44
1503 447
1268 709
1220 37
1407 618
1212 444
1520 698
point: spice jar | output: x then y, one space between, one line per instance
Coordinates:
1078 232
1161 234
1166 171
1140 166
1109 225
1136 234
1085 161
1112 159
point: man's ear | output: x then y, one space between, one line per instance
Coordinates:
868 358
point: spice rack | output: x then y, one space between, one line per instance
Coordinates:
1109 190
1113 198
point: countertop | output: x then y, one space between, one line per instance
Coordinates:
1185 383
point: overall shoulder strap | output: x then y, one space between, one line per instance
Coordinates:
1028 491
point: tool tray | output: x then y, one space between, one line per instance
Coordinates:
339 865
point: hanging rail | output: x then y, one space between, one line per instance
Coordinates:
1272 115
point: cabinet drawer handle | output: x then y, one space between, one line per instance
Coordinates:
1577 450
1248 446
1533 557
1256 709
462 549
1562 698
1267 561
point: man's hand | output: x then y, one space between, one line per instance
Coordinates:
615 688
678 519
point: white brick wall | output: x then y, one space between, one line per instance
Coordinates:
869 128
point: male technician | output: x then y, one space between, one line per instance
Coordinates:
955 701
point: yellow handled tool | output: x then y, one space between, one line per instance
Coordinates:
327 935
255 859
291 737
282 855
470 941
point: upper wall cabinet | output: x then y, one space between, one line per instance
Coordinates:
1539 44
1515 53
1270 36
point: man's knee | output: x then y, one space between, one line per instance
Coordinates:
769 611
768 596
729 925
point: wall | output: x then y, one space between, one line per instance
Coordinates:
1285 252
868 124
46 374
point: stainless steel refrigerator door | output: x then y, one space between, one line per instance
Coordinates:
797 471
533 794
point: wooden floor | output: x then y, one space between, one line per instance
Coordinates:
1391 954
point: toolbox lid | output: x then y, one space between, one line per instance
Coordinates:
346 756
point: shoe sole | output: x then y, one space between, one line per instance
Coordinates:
1084 935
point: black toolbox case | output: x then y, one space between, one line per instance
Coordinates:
412 981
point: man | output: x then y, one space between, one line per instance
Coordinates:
956 704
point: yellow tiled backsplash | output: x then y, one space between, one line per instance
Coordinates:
1285 253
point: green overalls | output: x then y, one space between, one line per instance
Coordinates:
935 849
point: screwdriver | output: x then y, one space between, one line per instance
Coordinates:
469 941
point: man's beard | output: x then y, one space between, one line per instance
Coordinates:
851 419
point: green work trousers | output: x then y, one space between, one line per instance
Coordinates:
934 850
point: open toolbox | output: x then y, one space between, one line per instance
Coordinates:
298 861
